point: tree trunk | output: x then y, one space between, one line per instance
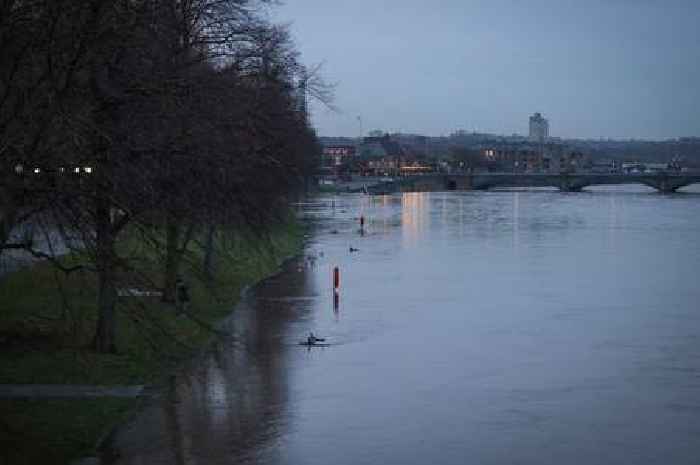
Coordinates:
209 254
172 261
105 336
175 246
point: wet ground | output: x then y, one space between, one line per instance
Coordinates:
529 327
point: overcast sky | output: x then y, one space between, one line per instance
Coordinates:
594 68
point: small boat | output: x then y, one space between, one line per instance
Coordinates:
315 344
313 341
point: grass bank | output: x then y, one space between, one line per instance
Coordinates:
47 322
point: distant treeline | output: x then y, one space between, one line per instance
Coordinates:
686 150
180 116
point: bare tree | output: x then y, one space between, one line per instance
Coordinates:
188 114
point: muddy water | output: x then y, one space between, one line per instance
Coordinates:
500 327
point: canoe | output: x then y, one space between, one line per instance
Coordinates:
304 343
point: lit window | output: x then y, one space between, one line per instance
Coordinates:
37 170
77 170
88 169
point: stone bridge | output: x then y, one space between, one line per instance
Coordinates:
663 182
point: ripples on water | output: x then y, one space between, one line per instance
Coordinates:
477 327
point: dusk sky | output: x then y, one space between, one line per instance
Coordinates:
594 68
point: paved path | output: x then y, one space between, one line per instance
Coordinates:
71 391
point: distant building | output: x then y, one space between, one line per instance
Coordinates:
383 154
656 167
534 158
633 167
336 155
513 158
562 159
604 166
539 128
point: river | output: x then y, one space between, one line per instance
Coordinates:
504 327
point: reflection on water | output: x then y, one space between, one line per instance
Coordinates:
474 327
232 401
414 216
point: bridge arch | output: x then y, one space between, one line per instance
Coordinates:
696 183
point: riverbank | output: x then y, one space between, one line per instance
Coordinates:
47 320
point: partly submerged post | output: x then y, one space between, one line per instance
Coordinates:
336 279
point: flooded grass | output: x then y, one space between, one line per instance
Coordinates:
48 318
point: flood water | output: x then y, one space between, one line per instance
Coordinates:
523 327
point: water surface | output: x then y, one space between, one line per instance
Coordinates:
529 327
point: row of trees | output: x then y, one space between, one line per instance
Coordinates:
190 115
